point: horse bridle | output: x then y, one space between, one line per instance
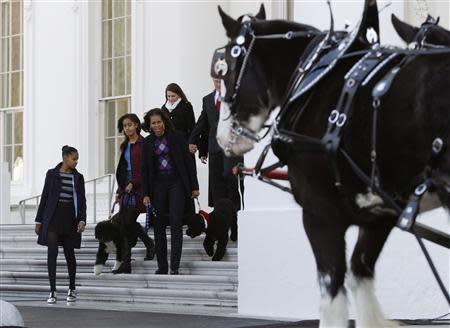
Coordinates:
240 54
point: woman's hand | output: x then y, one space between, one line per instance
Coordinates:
37 228
195 193
81 227
146 201
129 187
117 198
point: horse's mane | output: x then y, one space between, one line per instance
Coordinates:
264 27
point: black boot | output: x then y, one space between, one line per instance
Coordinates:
161 271
148 242
124 268
150 254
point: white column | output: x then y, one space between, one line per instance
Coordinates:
56 85
29 131
92 85
5 181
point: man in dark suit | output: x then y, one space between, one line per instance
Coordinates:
221 183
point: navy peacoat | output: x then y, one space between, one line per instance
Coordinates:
49 200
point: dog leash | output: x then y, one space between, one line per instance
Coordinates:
150 212
112 210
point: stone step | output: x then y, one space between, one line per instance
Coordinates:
28 229
88 241
201 282
221 268
121 294
188 254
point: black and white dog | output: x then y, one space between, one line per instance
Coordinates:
108 233
216 225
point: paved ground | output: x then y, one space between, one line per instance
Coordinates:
107 315
49 316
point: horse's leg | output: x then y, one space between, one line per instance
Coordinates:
327 238
361 279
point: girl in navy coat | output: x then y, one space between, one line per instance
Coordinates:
169 180
61 217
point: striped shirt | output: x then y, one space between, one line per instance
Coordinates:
66 194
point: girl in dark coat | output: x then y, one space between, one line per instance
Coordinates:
129 193
169 180
179 110
61 217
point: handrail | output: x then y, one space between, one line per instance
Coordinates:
111 183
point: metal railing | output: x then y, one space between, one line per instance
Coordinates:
111 184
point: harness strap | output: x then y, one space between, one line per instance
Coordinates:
339 116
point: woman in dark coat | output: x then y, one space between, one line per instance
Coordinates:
169 180
129 192
181 113
61 217
179 110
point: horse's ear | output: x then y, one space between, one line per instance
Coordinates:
369 29
231 25
262 12
405 31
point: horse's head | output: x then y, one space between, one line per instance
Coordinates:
255 68
428 34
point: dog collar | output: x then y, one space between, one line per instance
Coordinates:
205 216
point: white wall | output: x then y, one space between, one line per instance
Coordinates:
417 11
344 12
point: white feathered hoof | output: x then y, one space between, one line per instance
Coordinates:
98 268
10 316
368 309
116 265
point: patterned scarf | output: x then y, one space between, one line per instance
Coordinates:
162 152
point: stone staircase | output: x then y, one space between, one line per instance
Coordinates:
201 283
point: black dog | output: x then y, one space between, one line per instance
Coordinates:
108 233
216 225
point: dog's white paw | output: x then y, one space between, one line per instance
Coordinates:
98 268
116 265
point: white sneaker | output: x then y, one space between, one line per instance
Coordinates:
71 295
52 298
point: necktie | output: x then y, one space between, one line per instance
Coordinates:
218 105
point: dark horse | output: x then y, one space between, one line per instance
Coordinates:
413 114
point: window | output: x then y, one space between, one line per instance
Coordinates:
11 86
116 73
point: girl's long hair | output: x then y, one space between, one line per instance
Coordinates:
133 118
175 88
164 116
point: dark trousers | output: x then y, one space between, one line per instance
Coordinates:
222 181
169 197
53 239
61 230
